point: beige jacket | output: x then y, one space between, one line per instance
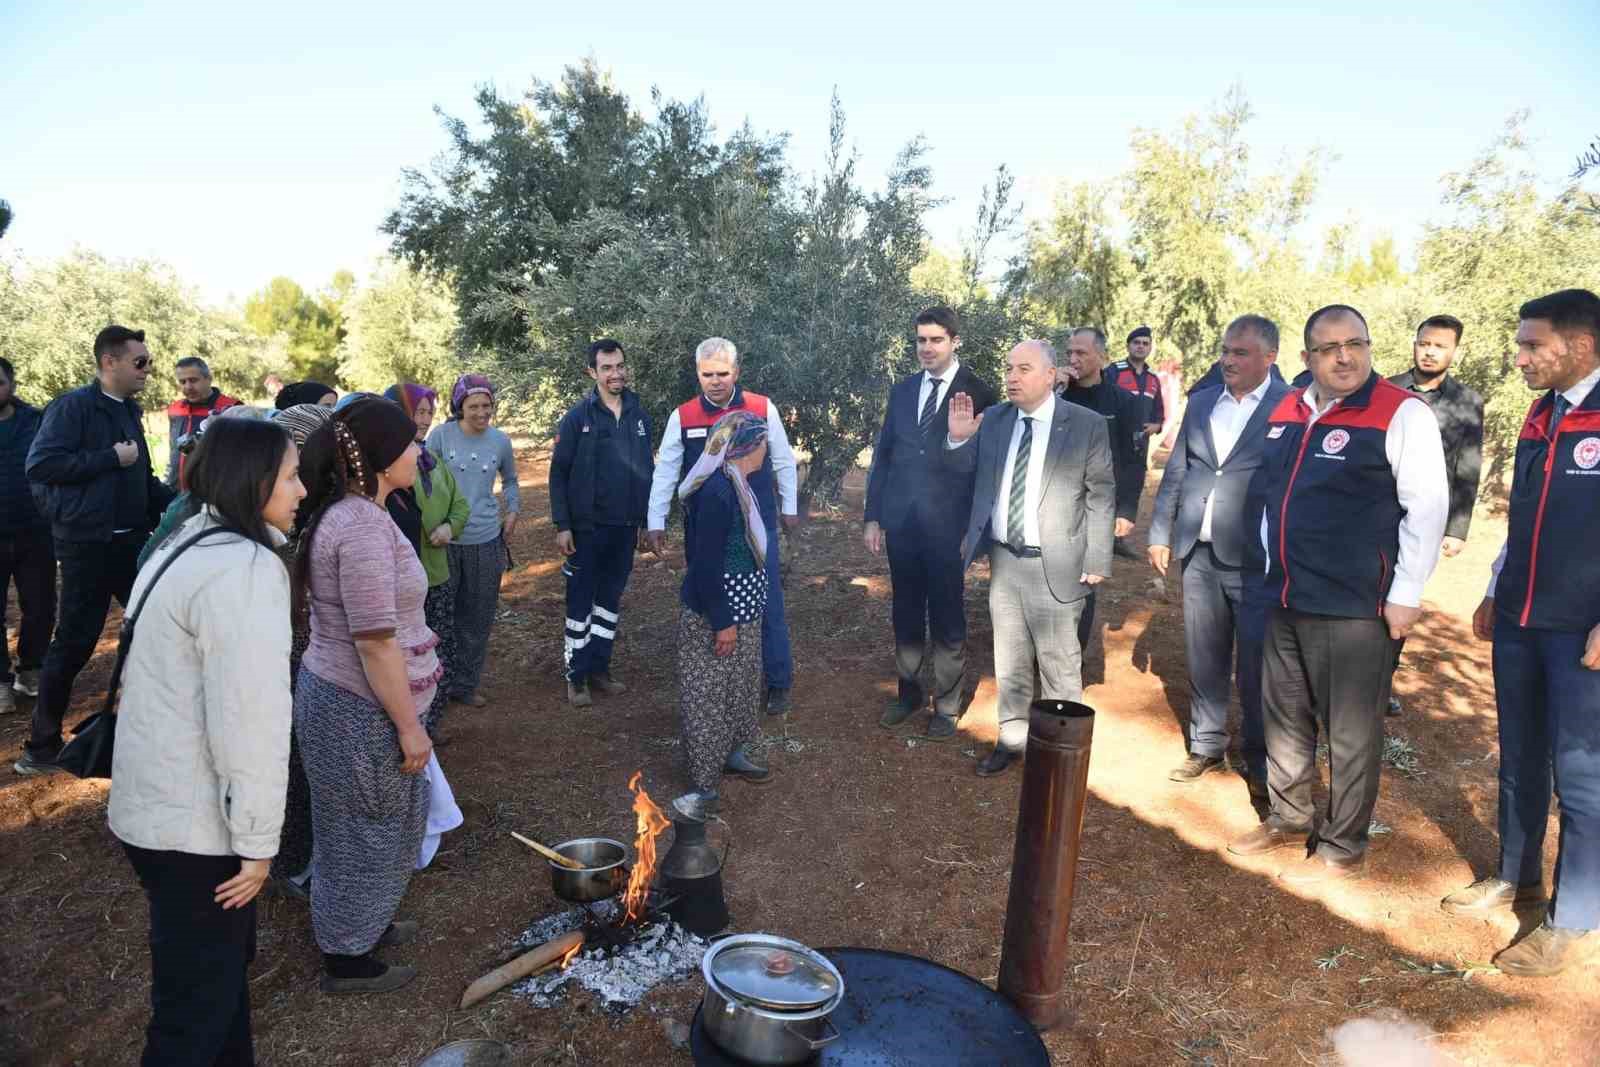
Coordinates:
202 757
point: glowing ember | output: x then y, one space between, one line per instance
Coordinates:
651 822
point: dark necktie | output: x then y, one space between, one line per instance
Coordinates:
1558 411
929 406
1016 508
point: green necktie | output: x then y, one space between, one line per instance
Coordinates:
1016 509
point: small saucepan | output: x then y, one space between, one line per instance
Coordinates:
602 874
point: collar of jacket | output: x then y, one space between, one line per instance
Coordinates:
1358 399
630 401
733 401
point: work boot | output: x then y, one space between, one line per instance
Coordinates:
699 806
777 701
997 761
1546 951
578 695
940 728
896 714
1266 838
27 683
607 684
1193 768
746 763
8 700
1489 895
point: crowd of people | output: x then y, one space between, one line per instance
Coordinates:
345 555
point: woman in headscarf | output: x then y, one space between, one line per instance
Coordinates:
291 867
296 393
368 675
476 454
719 626
443 512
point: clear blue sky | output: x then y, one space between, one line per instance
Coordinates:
238 142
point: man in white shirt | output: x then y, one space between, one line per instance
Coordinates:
717 365
1043 507
1200 511
1353 499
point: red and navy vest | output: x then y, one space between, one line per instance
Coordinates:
1146 385
1333 508
1551 576
695 419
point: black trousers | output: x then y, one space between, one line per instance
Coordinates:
929 598
29 559
199 955
1321 671
92 573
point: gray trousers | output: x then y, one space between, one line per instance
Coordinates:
1222 618
476 569
1032 631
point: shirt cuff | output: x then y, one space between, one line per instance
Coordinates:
1405 593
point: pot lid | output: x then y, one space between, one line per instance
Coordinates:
774 976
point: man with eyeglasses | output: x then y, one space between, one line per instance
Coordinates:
1352 499
102 499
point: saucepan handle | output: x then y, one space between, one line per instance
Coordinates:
814 1043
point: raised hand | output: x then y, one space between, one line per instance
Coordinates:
963 423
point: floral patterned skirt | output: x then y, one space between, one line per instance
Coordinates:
719 697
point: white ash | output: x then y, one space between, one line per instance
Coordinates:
662 952
553 926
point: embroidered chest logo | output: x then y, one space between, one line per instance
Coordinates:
1334 443
1586 453
1275 433
641 428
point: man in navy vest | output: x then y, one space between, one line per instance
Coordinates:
1542 611
918 505
1353 489
716 361
1135 376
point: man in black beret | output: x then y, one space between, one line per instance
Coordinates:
1134 375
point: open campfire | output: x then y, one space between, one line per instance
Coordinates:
618 948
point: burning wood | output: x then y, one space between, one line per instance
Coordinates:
651 822
550 954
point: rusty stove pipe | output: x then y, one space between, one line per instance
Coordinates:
1055 781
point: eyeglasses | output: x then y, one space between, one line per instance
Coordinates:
142 362
1353 347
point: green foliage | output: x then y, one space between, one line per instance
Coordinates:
401 327
50 313
310 328
6 215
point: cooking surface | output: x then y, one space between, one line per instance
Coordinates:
902 1011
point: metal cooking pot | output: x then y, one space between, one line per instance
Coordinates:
602 873
768 999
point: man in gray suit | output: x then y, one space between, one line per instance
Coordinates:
1043 506
1200 517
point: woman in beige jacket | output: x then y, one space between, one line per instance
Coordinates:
201 761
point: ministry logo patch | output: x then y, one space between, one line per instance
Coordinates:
1586 453
1334 443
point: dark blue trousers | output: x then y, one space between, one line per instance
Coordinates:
777 661
1549 708
1220 624
597 573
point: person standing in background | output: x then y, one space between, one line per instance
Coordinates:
477 454
27 554
296 393
103 500
1134 375
599 498
198 399
916 507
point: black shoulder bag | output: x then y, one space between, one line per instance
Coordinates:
88 754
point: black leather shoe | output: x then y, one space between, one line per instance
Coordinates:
896 714
1193 768
996 762
1123 549
940 728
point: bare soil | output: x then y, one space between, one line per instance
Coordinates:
1181 953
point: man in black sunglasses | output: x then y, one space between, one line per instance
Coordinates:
102 500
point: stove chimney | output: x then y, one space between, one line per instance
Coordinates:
1055 778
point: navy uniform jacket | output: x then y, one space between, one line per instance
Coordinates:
909 488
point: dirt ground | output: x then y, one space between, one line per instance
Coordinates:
1181 953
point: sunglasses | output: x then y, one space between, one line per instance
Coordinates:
141 362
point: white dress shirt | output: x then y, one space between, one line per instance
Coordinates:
1575 396
669 468
1043 416
941 384
1228 418
1422 483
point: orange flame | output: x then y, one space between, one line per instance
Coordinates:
651 822
561 964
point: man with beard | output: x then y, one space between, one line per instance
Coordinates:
916 507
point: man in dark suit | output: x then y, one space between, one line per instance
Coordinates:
1043 506
1200 516
918 505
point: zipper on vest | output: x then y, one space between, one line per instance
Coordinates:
1283 513
1383 577
1538 524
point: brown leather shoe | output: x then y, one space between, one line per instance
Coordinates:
1546 951
1316 870
1266 838
1194 768
1488 895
